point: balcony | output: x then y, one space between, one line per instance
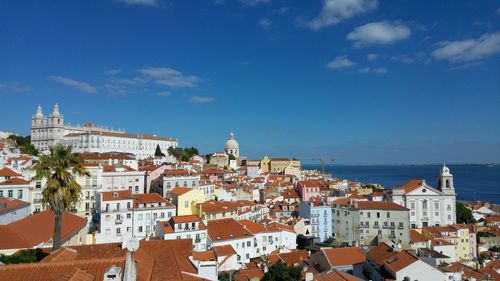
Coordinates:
118 221
400 227
385 226
37 201
376 226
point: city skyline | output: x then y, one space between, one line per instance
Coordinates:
365 83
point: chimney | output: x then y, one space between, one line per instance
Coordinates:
309 276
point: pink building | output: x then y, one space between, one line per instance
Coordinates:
307 190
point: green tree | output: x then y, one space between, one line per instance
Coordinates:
464 215
24 144
183 153
61 191
226 276
158 152
281 272
24 256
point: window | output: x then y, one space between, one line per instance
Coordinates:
19 194
378 214
10 193
139 217
424 204
368 213
186 204
436 205
129 215
412 205
388 215
38 185
118 231
1 193
140 228
148 216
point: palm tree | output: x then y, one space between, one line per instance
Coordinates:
61 191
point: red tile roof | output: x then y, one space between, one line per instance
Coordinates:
400 261
10 204
416 236
379 254
335 275
149 198
410 185
116 195
225 250
225 229
15 181
6 172
36 229
180 190
344 256
156 260
376 205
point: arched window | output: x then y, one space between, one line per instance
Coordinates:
447 183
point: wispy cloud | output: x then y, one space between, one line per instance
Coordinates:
335 11
200 99
376 70
340 62
264 22
281 11
164 94
16 86
115 90
372 57
379 33
170 77
112 72
82 86
140 2
462 51
253 2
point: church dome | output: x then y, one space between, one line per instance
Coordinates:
231 143
445 170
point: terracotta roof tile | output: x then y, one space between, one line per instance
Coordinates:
15 181
180 190
344 256
36 229
400 261
116 195
10 204
6 172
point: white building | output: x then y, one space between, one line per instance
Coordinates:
12 210
46 132
184 227
148 210
179 178
364 221
232 147
123 215
123 178
250 239
115 223
428 206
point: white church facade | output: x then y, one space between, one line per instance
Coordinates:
428 206
51 130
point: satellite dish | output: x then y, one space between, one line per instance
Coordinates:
132 244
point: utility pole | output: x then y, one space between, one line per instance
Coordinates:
323 160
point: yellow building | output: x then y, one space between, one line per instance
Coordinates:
185 199
265 165
463 246
278 165
214 210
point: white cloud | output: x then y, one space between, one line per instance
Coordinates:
82 86
164 94
115 90
372 57
170 77
281 11
380 33
253 2
335 11
340 62
376 70
140 2
265 22
468 50
112 72
200 99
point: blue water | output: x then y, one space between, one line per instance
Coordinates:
479 182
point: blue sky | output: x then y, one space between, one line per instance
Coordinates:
363 81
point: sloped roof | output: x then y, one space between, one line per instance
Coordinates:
344 256
36 229
6 172
10 204
156 260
